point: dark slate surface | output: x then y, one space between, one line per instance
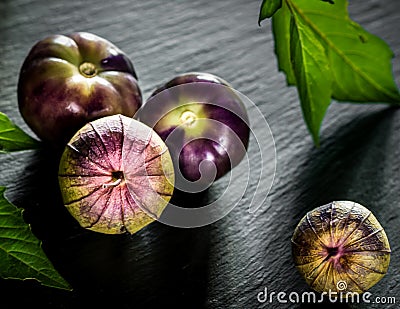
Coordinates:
223 265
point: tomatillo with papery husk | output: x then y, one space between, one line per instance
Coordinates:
116 175
341 247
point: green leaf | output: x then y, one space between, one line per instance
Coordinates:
312 74
21 255
360 62
12 138
327 55
268 8
281 29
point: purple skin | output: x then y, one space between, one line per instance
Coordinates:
67 81
211 131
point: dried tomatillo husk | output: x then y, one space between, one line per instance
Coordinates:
116 175
341 247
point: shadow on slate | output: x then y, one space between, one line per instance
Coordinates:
332 172
157 265
191 200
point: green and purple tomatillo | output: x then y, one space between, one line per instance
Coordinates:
205 125
116 175
69 80
341 247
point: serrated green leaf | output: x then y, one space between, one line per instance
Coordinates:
21 255
360 62
336 52
281 29
312 73
12 138
268 8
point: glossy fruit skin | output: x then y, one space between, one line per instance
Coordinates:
341 247
219 132
69 80
116 175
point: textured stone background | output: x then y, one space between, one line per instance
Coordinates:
226 264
